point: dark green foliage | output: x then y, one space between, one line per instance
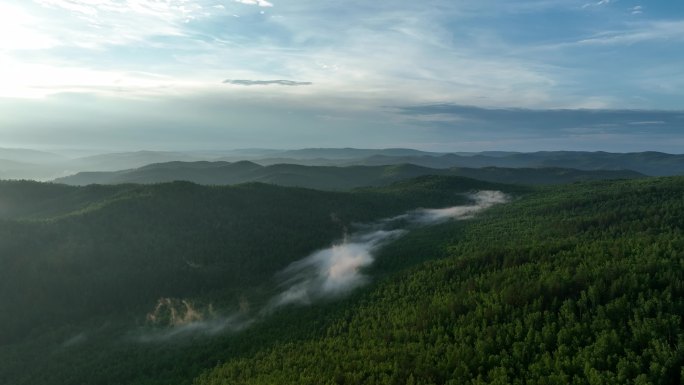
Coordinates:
80 268
32 200
575 284
580 285
130 248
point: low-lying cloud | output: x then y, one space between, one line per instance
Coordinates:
232 323
334 271
337 270
277 82
482 200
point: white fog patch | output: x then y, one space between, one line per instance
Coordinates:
233 323
327 273
75 340
483 200
337 270
333 271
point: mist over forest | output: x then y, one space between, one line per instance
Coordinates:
212 271
234 192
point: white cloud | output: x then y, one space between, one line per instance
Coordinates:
17 30
357 50
93 25
637 10
22 79
646 123
260 3
339 269
98 23
597 4
642 32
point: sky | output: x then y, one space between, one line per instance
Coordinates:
440 75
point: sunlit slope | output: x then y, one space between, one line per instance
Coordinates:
583 284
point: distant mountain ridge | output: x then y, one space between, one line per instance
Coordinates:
351 153
142 284
38 165
24 155
119 161
328 177
649 163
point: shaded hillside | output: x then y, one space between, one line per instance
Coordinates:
36 200
539 176
328 178
74 253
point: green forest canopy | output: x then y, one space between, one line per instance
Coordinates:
574 284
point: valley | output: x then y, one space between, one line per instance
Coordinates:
175 283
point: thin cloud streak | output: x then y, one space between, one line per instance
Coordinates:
96 25
643 32
290 83
260 3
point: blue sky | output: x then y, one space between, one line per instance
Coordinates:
437 75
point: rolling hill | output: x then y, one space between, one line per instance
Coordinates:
174 284
24 155
328 178
124 160
27 164
581 285
649 163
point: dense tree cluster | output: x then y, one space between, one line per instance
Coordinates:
122 248
581 284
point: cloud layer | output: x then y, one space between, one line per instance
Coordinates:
265 82
260 3
365 58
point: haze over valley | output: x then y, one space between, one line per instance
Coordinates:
259 192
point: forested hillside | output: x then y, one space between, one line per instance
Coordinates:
649 162
171 284
125 247
331 178
580 285
103 262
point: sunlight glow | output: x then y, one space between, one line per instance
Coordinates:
28 80
17 30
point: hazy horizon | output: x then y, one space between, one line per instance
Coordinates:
441 75
210 154
339 192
